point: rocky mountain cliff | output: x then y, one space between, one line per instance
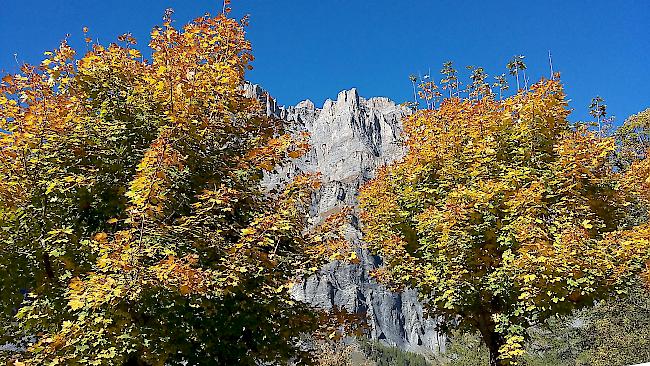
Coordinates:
351 137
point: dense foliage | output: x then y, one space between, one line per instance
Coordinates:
503 214
134 228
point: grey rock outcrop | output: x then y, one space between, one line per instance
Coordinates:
351 137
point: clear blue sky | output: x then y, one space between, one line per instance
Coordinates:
314 48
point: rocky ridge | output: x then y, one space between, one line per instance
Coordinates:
350 138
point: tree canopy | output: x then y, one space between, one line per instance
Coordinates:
503 213
134 226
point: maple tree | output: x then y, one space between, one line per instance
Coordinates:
134 226
503 213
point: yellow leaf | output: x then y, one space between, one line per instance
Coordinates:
529 277
75 304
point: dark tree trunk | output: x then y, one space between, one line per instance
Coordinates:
495 342
492 340
134 360
49 271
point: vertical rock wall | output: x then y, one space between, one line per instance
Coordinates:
351 137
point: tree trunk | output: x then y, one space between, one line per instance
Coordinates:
517 74
495 342
49 270
492 340
415 96
135 360
525 80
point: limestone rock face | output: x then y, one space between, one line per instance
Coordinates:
350 137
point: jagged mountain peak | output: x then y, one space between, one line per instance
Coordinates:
346 99
306 104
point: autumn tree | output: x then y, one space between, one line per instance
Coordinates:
502 214
134 227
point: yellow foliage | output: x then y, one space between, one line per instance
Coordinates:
502 209
146 176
